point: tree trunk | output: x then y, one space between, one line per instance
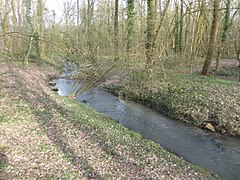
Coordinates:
14 15
188 23
151 32
14 23
176 29
213 38
1 13
40 29
6 27
78 21
28 17
130 23
238 58
181 28
226 23
28 50
90 39
116 55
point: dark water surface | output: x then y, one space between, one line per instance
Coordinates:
217 153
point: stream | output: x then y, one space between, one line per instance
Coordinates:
218 153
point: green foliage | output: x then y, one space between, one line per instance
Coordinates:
228 72
130 22
3 159
226 21
3 165
191 98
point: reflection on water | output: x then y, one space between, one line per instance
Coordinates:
217 153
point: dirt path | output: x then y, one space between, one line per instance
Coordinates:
222 63
41 139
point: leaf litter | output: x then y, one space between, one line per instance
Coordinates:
49 137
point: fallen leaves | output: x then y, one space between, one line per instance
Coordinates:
50 137
194 99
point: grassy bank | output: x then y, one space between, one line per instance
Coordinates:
50 137
194 99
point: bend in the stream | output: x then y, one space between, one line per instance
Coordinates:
217 153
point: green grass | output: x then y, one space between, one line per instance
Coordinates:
15 111
3 166
113 140
111 134
3 163
43 147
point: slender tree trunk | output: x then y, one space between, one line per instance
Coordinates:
176 29
14 23
6 24
21 14
40 29
14 15
90 39
130 23
188 28
1 15
1 12
78 22
197 32
226 23
238 58
213 38
151 32
7 16
116 53
28 50
181 28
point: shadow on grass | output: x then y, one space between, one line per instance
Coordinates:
38 99
54 132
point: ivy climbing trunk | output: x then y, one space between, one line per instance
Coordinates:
181 28
226 24
40 28
116 55
151 33
130 24
213 39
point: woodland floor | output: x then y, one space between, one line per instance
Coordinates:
225 63
43 136
192 98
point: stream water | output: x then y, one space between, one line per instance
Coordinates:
217 153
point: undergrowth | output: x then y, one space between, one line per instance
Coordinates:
192 98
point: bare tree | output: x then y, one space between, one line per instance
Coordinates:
223 37
6 22
151 34
130 23
116 24
40 29
213 38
